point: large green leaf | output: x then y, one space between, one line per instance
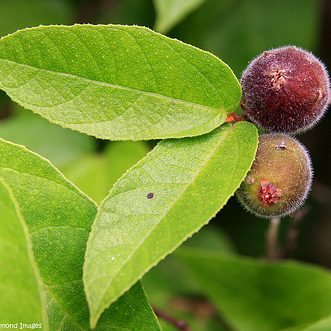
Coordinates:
117 82
160 202
60 146
57 218
259 295
170 12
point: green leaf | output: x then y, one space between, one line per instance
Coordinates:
259 295
17 276
117 82
171 12
60 146
57 218
20 14
131 312
95 174
160 202
322 325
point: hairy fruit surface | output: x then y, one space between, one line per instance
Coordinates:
279 179
285 90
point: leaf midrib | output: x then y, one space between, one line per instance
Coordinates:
115 86
208 158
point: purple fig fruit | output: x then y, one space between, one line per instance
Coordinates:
285 90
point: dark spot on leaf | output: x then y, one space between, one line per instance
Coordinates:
150 195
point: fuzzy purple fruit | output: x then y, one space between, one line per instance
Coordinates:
279 179
285 90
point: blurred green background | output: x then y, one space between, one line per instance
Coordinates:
234 30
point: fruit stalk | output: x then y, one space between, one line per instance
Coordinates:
272 248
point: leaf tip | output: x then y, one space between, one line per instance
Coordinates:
94 318
93 323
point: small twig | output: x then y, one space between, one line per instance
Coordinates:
178 324
293 233
272 249
234 118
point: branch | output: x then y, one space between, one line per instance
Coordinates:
178 324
